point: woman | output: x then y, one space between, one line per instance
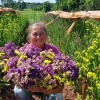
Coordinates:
37 36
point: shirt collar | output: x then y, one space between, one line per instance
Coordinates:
45 46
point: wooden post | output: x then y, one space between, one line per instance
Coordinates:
84 88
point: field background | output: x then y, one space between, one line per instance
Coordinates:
77 44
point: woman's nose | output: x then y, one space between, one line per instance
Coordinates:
38 36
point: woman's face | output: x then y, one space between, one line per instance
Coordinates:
38 36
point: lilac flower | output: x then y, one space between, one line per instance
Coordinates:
8 49
50 70
33 51
57 57
10 53
34 71
12 62
29 84
2 49
10 45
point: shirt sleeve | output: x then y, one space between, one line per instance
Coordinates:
54 48
24 48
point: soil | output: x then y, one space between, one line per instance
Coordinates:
8 94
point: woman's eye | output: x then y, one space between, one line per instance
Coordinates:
41 34
34 35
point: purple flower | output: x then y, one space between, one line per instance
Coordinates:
57 57
10 53
32 70
12 62
33 51
29 84
10 45
8 49
50 70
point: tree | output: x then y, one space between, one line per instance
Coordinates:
67 5
23 5
88 4
46 6
3 2
96 5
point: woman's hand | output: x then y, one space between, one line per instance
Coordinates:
35 89
45 91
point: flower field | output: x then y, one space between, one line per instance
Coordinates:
82 45
12 28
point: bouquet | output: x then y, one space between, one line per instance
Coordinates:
35 69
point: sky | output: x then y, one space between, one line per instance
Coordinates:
41 1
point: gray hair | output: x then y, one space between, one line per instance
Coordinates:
32 25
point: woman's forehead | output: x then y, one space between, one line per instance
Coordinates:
38 28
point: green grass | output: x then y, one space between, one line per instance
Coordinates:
32 15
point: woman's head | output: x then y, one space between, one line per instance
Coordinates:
37 34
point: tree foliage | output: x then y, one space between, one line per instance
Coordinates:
65 5
74 5
46 6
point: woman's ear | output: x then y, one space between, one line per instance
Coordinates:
28 39
48 39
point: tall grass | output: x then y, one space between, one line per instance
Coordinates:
78 39
32 15
12 28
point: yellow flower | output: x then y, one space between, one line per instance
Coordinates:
68 83
80 76
5 68
5 60
90 88
46 61
64 75
98 50
91 48
77 53
49 87
84 67
62 80
17 52
23 56
57 77
98 85
85 60
60 84
94 76
43 83
67 73
89 74
2 63
1 53
86 54
18 62
94 43
47 77
50 55
78 64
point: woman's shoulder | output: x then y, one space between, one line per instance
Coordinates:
51 46
54 48
24 47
